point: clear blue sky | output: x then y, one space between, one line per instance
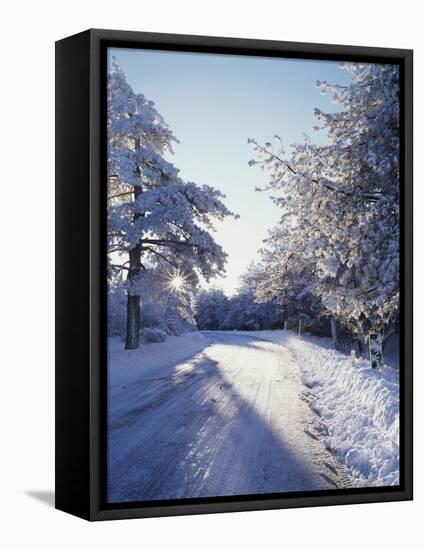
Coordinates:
213 103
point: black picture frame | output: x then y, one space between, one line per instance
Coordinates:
81 280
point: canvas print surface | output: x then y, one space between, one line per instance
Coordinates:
253 275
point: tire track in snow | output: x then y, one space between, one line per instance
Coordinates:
228 422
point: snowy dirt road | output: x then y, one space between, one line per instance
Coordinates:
229 421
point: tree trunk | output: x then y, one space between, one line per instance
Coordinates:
361 344
133 317
333 331
133 325
387 334
133 310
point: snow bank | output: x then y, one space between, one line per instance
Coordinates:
150 360
357 408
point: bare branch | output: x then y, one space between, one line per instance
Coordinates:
159 254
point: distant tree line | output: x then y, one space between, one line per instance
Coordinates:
215 311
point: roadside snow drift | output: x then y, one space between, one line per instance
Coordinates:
218 413
357 408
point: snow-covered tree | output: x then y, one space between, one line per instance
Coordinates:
246 313
152 213
283 281
211 309
164 305
242 311
342 202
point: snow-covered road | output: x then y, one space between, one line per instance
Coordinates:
229 421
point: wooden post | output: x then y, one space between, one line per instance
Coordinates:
375 350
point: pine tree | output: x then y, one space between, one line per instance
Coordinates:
342 203
152 213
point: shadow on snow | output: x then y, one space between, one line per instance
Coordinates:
192 435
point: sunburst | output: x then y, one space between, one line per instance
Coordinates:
176 281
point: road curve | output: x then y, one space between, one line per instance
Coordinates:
230 421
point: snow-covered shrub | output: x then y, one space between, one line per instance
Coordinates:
153 335
177 325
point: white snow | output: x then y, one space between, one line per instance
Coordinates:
226 412
150 360
227 421
357 408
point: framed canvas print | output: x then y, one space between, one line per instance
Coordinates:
234 274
